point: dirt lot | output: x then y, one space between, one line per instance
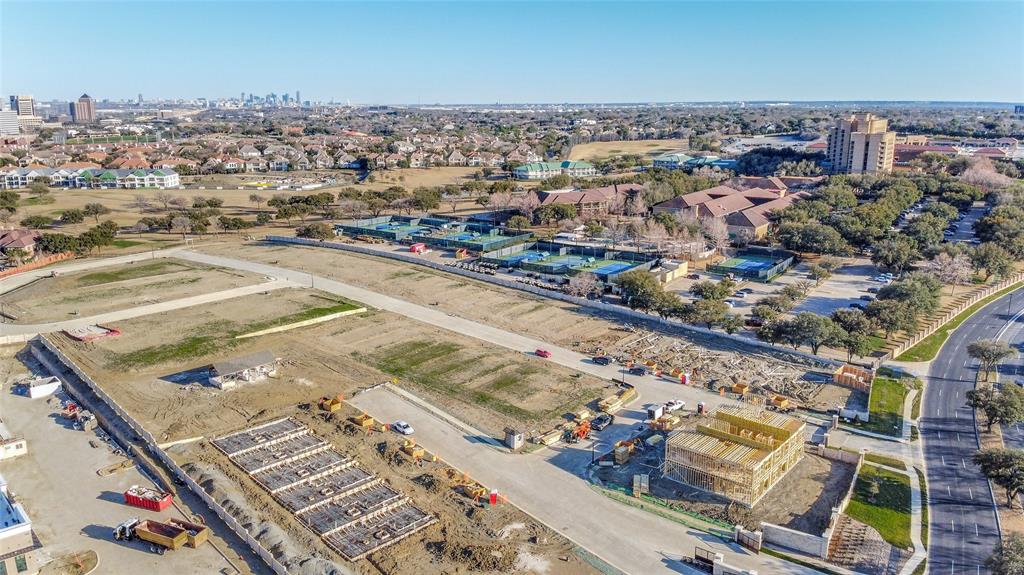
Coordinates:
715 362
646 148
113 288
155 368
469 537
803 500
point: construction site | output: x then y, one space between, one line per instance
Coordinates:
329 490
739 465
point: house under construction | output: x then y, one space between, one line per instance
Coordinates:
740 453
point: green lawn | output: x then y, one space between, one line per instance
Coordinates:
126 243
131 272
885 460
929 347
888 511
886 406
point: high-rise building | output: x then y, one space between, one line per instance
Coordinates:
861 144
298 98
22 104
9 123
83 110
140 98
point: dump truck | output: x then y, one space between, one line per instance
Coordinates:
161 535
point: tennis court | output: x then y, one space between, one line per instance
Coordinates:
748 263
757 266
523 256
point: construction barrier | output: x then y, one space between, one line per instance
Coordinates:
583 302
37 264
154 448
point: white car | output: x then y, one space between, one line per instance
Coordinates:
402 427
675 405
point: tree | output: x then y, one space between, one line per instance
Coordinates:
95 210
141 203
892 316
181 223
36 222
263 218
57 243
518 223
989 353
895 254
818 273
256 199
709 312
816 330
813 237
72 216
853 320
317 231
951 270
38 188
164 199
1005 467
990 257
180 202
855 344
584 284
1008 557
731 323
639 289
16 255
712 290
716 232
426 199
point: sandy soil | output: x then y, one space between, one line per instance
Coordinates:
485 385
647 148
469 537
717 361
113 288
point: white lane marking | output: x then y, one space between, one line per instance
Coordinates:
964 462
971 492
976 534
943 459
949 491
958 436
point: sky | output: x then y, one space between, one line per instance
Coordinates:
510 52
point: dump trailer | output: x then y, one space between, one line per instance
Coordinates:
196 533
162 534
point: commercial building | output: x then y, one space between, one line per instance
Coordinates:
9 123
83 110
18 543
861 144
543 170
15 178
590 200
740 453
23 105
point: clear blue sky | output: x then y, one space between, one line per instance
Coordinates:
483 52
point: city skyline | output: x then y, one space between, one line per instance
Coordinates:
401 53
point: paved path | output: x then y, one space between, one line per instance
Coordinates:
963 527
632 540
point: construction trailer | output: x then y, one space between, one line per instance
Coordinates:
740 453
246 369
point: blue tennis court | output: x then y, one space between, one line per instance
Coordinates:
748 263
614 268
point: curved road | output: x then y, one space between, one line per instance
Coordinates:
963 528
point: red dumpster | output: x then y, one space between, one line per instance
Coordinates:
418 248
147 498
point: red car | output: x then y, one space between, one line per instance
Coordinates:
543 353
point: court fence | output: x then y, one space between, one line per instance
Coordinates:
783 261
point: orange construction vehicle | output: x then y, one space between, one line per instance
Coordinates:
581 431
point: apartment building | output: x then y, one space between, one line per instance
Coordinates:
543 170
14 178
23 105
861 144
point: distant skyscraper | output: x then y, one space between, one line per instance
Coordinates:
22 104
83 111
298 98
1018 109
861 144
140 98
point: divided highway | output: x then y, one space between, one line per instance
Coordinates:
963 528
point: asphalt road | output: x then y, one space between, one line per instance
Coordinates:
963 528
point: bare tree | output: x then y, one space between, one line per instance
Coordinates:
351 207
527 204
256 199
141 203
182 224
636 206
583 284
163 198
499 201
716 232
953 270
655 232
140 227
180 202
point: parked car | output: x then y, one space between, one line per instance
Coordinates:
867 298
402 427
747 290
674 405
859 306
693 277
740 294
730 303
874 290
602 421
542 353
602 360
638 370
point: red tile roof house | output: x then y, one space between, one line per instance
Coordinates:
19 238
590 200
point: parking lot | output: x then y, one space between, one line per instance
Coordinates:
847 285
71 506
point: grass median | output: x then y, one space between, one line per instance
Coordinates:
929 347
